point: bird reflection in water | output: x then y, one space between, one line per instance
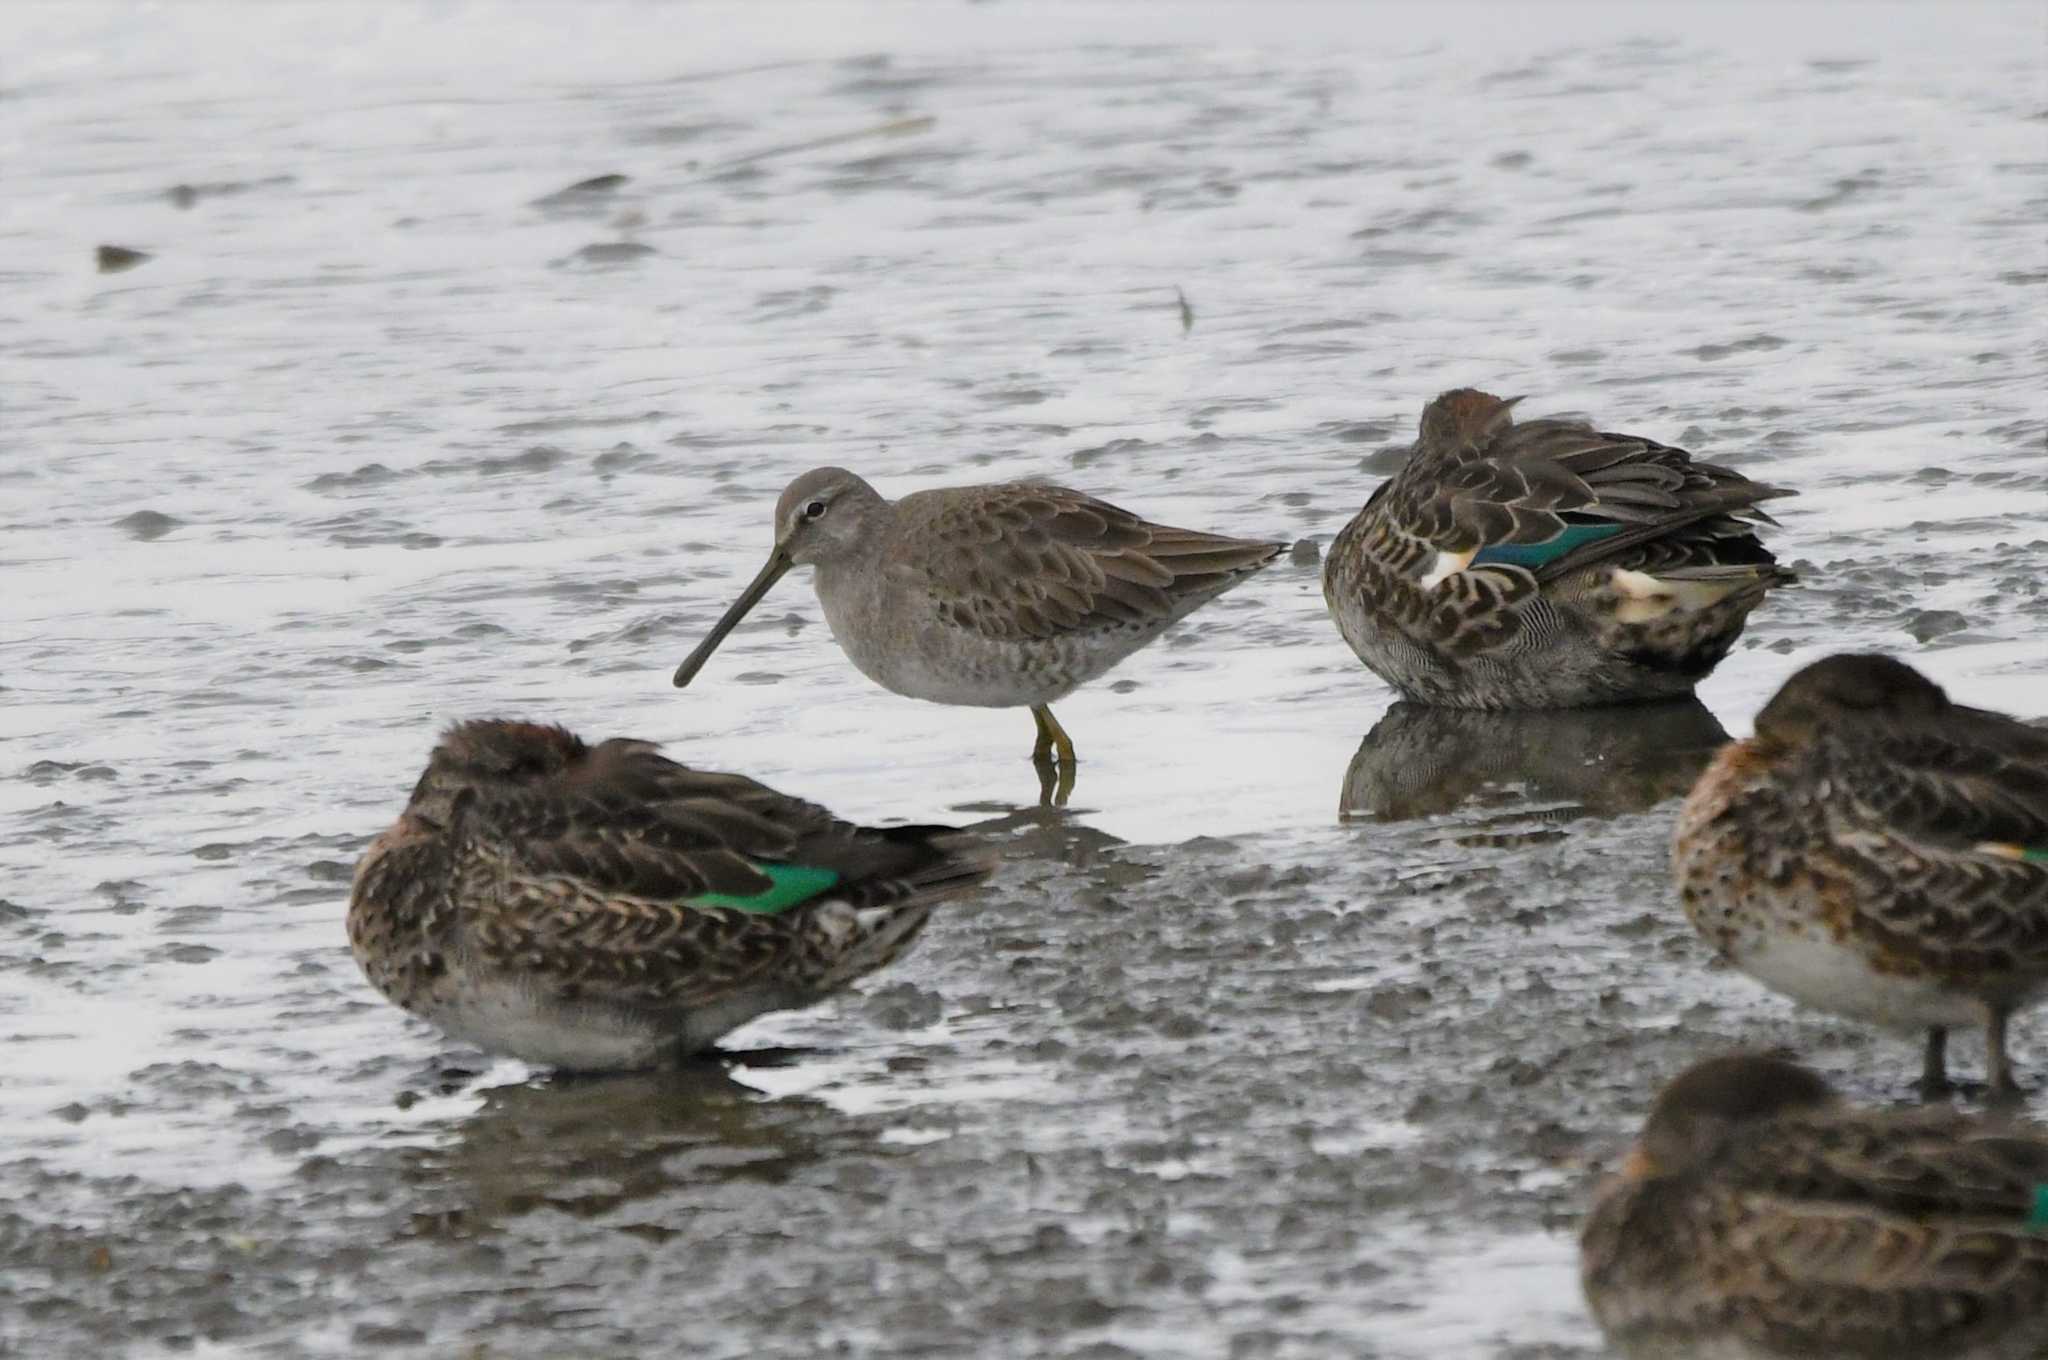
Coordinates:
1423 761
646 1153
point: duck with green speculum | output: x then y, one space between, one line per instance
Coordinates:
598 908
1547 564
1881 853
1759 1217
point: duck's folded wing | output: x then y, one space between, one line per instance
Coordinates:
1819 1280
623 777
640 879
1971 779
625 923
724 841
1931 1164
668 851
1553 496
679 908
1956 831
617 947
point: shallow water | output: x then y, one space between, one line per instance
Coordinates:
388 430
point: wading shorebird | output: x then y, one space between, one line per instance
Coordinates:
1758 1218
597 908
1547 564
1878 852
1003 596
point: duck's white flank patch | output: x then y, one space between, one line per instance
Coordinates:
1448 564
1646 598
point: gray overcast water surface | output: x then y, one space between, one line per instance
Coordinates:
387 430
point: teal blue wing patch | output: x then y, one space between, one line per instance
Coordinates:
2038 1220
1543 554
794 884
2035 854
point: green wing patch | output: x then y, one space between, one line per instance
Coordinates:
1541 554
2025 854
794 884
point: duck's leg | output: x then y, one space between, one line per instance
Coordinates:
1997 1062
1934 1068
1054 757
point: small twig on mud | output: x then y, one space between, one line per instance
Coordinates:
895 127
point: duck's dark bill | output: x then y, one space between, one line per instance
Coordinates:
778 563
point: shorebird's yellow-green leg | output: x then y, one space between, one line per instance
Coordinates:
1053 755
1053 742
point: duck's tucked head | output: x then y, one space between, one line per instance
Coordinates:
824 516
1465 416
1698 1110
1848 685
491 751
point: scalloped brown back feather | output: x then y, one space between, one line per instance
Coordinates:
1023 561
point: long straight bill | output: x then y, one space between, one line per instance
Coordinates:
778 563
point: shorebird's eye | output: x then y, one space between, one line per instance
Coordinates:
815 510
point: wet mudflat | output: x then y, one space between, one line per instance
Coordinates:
448 387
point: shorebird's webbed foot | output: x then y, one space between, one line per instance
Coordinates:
1054 756
1934 1082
